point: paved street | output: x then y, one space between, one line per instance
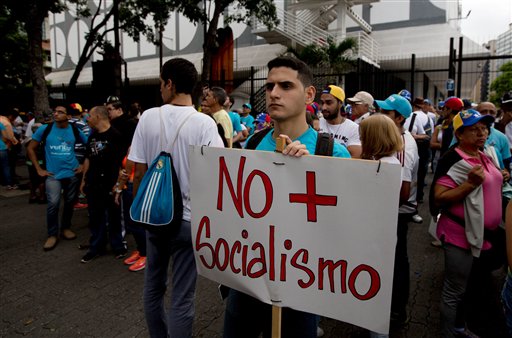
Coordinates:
52 294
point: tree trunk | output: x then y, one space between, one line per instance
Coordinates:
209 42
33 26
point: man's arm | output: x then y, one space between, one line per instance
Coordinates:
85 169
31 152
140 170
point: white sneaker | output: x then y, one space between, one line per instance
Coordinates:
319 331
417 219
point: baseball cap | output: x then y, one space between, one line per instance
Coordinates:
247 105
76 106
467 103
112 99
470 117
362 97
454 103
397 103
335 91
506 98
406 94
427 101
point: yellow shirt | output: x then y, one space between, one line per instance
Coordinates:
222 118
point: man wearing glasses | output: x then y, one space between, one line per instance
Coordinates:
58 141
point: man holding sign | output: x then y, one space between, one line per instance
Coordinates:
289 88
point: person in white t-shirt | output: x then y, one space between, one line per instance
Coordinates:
398 109
177 82
343 130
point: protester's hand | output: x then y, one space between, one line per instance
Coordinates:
44 173
79 169
117 197
476 176
294 148
506 175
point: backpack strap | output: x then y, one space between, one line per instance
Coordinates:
324 144
46 132
255 139
411 125
162 131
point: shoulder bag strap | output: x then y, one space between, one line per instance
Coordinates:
411 125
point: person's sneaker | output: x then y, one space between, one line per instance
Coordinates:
89 257
140 264
133 258
121 253
50 243
437 243
417 219
12 187
319 331
68 234
465 333
79 206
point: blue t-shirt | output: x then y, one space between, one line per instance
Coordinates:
235 120
308 138
500 142
3 146
59 150
248 122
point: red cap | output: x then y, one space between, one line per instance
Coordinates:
454 103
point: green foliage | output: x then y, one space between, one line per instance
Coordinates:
502 84
338 57
14 46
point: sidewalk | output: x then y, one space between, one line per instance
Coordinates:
52 294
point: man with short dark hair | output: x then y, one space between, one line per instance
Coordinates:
289 87
178 80
124 124
61 172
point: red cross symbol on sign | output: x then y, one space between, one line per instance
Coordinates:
311 199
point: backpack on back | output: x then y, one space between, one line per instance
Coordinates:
158 205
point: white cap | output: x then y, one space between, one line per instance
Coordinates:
361 97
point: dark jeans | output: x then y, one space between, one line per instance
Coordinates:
161 249
401 282
104 221
69 186
138 232
5 171
247 317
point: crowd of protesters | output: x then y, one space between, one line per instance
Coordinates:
96 159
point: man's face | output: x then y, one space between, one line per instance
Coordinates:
205 108
330 106
245 111
59 114
209 100
395 116
92 120
285 94
487 108
359 109
113 112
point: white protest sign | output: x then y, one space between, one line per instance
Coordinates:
316 234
